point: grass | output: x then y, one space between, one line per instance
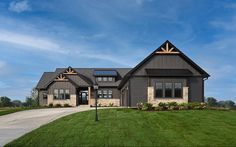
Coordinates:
128 127
8 110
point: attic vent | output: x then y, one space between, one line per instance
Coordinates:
61 77
70 71
167 49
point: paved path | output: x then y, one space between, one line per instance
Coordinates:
14 125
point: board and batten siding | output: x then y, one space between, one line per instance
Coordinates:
196 89
138 90
166 62
42 101
62 85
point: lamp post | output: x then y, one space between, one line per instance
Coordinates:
95 87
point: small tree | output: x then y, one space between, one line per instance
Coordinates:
211 101
229 104
5 101
32 100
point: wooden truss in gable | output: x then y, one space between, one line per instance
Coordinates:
167 50
61 77
70 71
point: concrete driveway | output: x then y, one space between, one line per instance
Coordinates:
14 125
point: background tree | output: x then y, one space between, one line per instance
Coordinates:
16 103
32 100
229 104
211 101
5 101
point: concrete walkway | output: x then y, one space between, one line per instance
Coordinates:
14 125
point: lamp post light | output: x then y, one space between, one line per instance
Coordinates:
95 87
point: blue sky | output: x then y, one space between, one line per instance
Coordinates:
41 35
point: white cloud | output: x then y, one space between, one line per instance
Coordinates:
19 6
36 43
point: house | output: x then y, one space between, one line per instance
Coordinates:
166 75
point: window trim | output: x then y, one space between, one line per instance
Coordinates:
58 94
172 90
180 88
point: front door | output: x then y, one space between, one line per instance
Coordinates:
83 97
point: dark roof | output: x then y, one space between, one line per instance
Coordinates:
46 77
198 68
169 72
84 77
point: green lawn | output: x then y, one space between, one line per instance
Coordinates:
128 127
8 110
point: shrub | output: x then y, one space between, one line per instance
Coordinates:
50 105
111 104
174 107
163 106
183 106
67 105
147 106
140 105
58 105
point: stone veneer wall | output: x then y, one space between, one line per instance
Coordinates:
71 101
105 102
156 101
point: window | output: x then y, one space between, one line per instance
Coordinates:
99 93
109 93
159 90
168 90
104 93
104 79
110 79
55 94
177 90
61 94
45 96
99 79
67 94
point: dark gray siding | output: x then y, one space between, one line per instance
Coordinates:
62 85
42 102
166 62
138 90
196 89
125 95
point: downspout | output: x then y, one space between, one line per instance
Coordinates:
203 88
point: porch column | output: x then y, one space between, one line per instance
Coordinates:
185 94
150 93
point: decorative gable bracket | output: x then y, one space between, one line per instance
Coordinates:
167 50
70 71
61 77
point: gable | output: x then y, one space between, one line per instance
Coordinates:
168 56
161 61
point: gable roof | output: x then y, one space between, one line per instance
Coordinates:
165 49
84 77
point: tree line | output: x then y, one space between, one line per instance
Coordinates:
30 101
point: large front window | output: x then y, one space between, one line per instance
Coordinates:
178 90
105 93
159 90
168 90
61 94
